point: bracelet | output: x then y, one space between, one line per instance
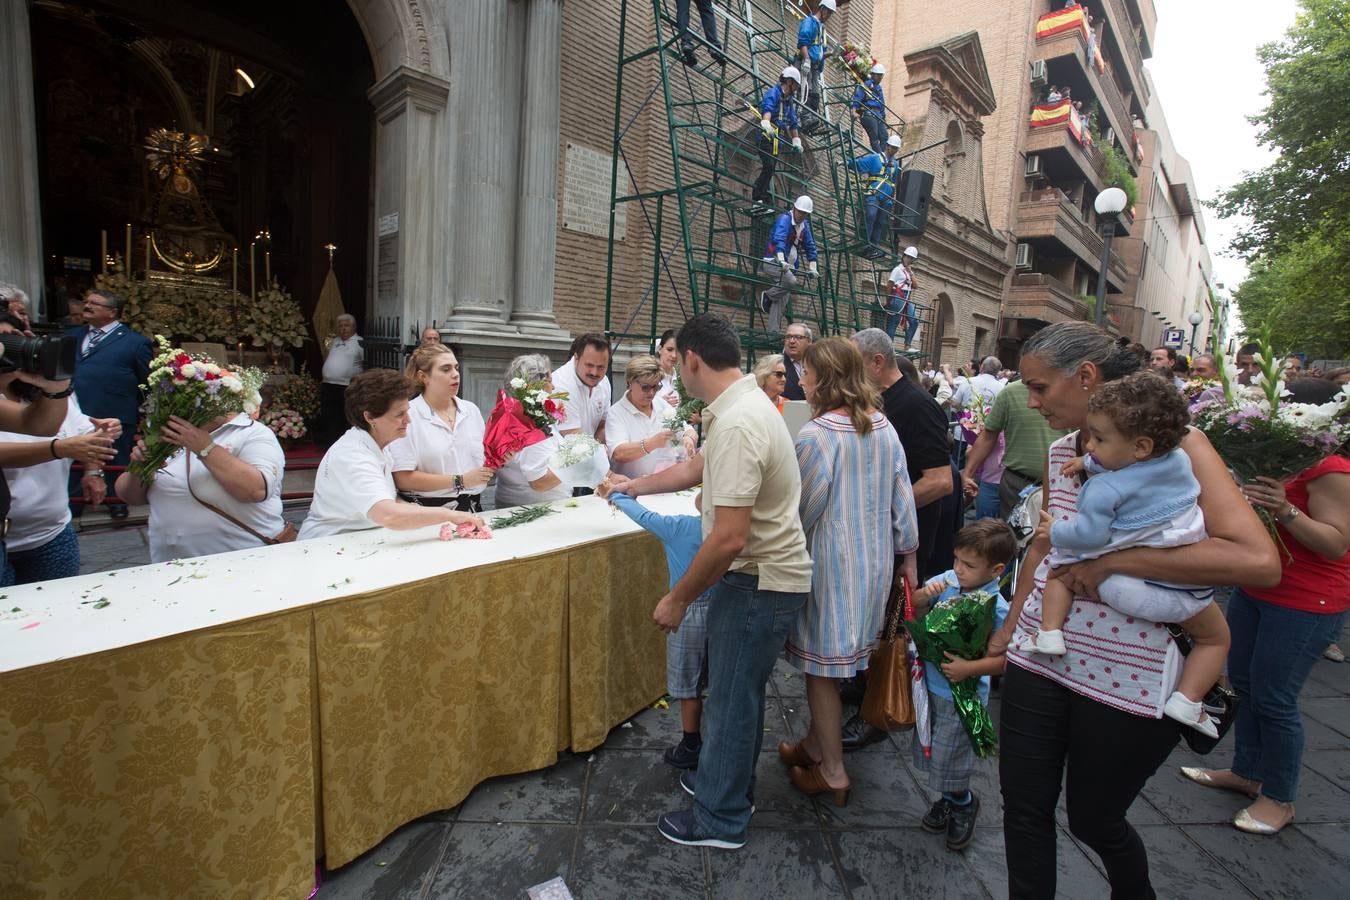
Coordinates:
459 482
643 444
52 448
1289 516
59 395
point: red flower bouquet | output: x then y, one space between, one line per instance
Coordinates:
523 417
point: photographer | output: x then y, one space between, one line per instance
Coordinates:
43 416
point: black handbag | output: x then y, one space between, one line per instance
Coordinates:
1220 703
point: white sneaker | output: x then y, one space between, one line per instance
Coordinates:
1189 712
1051 643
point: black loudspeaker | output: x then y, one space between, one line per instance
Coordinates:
911 202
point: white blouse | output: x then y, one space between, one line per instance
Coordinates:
353 476
39 507
181 527
626 423
434 446
530 464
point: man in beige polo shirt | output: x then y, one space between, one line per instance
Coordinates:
753 556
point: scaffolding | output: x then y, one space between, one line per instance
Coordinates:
707 236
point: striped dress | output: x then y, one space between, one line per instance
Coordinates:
857 510
1122 661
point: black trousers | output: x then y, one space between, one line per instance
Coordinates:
768 163
1046 729
332 415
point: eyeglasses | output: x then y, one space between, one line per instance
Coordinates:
648 388
96 303
778 374
796 337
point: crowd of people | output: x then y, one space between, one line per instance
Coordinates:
800 542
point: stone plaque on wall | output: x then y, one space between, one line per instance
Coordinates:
386 273
586 190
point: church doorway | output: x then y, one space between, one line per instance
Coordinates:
269 100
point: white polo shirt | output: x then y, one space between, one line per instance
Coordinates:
346 359
39 510
353 476
433 446
586 407
180 527
626 423
530 464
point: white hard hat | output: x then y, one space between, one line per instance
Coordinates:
791 72
804 204
912 252
877 69
893 141
828 4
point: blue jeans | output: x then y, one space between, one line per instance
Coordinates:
58 558
878 213
895 308
1273 651
747 628
986 501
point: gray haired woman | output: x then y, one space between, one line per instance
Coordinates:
526 477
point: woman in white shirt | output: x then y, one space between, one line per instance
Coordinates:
639 443
234 464
526 478
354 485
440 462
40 542
669 358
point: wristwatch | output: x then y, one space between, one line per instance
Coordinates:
459 482
206 451
1289 516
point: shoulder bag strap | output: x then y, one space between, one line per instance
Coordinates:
220 512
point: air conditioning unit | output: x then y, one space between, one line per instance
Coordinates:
1110 137
1038 76
1026 256
1033 165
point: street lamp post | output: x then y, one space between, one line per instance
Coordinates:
1109 204
1195 319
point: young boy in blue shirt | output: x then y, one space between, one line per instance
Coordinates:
982 550
687 648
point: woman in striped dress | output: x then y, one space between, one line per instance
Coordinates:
857 510
1097 712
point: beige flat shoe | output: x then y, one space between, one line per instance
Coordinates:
1206 777
1245 821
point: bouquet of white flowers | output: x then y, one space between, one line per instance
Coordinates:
580 461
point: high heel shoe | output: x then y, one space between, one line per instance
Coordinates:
794 755
811 782
1206 777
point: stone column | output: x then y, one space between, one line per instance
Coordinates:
408 227
537 208
20 213
487 159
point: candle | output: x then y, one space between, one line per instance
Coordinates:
234 271
267 269
103 251
252 278
147 254
126 259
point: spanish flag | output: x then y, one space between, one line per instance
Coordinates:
1051 114
1062 20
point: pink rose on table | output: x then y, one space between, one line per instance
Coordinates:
469 530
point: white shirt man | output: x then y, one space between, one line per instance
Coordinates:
584 379
346 357
433 445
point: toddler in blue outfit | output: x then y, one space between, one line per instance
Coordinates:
687 648
1141 493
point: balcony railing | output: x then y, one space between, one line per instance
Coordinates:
1044 298
1118 22
1072 43
1061 136
1049 213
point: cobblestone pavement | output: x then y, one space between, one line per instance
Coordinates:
589 819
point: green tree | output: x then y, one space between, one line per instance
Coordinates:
1298 207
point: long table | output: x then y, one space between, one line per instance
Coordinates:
219 723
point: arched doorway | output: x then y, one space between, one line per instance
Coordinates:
940 343
278 92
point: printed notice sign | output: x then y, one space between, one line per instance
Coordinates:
586 190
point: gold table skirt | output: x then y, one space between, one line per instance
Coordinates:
222 763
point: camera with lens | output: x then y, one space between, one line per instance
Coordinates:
52 357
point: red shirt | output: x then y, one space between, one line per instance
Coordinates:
1309 582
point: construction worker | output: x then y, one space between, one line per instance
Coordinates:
899 307
709 22
811 49
869 105
778 117
883 172
789 241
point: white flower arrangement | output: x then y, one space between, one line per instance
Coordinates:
580 461
286 424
